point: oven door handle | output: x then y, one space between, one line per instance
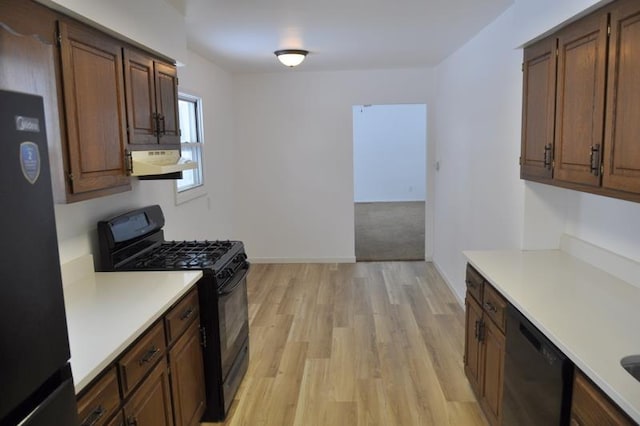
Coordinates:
229 288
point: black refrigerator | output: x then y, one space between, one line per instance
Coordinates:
36 386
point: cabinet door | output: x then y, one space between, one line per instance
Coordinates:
622 136
492 385
590 407
150 405
473 359
167 104
580 100
94 110
141 99
538 109
187 377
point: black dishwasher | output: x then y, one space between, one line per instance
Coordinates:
537 377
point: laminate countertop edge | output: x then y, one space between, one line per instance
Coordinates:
107 311
589 314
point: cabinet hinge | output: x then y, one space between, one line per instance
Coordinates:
71 177
609 29
177 81
58 38
523 67
520 160
601 169
553 164
557 51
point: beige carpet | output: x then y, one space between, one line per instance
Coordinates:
389 231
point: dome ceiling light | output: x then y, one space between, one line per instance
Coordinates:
291 57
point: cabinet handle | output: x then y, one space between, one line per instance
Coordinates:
132 421
187 314
595 159
161 119
155 124
149 355
95 415
547 156
479 330
491 307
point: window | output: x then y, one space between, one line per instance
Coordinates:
191 137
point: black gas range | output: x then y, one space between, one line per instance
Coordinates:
134 241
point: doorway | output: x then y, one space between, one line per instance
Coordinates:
389 181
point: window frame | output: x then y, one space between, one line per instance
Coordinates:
198 190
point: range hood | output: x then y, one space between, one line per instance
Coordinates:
159 162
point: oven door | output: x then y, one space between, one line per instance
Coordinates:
234 318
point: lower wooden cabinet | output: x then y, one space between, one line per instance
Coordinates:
473 361
590 407
484 351
160 376
150 404
187 378
494 350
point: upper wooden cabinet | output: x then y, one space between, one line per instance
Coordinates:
94 110
582 49
152 101
622 136
538 109
593 89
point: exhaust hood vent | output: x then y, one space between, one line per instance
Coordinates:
160 162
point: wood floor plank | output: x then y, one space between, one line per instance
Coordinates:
376 343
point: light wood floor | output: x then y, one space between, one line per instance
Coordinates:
354 344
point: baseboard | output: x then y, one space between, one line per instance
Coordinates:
302 260
446 280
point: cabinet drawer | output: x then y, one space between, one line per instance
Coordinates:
181 315
475 283
100 402
495 306
138 360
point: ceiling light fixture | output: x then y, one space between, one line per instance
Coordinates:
291 57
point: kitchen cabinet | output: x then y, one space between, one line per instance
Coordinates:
538 109
591 91
473 362
182 325
582 48
94 111
160 377
152 101
590 407
485 344
150 405
101 402
622 128
187 377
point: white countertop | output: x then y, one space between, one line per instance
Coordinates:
107 311
593 317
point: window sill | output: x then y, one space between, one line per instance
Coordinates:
190 194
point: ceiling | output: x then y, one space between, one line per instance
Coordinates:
241 35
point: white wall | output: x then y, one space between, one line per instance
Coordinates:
478 193
389 149
294 157
152 23
480 201
208 217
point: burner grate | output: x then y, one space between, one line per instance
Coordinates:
183 255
